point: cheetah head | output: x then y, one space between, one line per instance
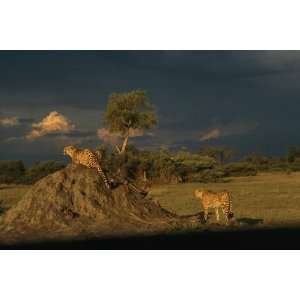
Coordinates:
199 193
69 150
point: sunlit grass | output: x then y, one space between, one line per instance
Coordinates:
11 194
275 198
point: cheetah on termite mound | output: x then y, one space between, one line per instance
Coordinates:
90 159
87 158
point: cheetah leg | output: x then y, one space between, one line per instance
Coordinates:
217 214
226 215
205 214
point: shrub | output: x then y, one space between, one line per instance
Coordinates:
210 175
40 170
194 162
164 166
240 169
295 167
11 171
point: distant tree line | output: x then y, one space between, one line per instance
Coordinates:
289 163
162 165
15 171
156 166
209 164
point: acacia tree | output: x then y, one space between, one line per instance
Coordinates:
129 114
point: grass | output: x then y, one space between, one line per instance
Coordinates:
272 197
11 194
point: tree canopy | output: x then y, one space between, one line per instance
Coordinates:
129 114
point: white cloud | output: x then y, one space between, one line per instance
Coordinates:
54 122
211 135
9 121
107 137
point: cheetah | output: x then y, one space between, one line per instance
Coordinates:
87 158
216 201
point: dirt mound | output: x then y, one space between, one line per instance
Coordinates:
74 202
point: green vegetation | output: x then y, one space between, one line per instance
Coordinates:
40 170
266 164
240 169
159 166
220 153
11 171
164 166
129 114
293 153
14 172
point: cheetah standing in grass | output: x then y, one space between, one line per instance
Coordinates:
87 158
216 201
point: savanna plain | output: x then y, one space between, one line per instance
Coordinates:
265 200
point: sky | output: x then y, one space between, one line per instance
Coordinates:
248 100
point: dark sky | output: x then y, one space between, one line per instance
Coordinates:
249 100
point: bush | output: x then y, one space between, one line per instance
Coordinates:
206 176
164 166
295 167
240 169
194 162
40 170
11 171
278 166
154 166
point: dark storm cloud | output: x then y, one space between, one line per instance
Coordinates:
73 134
82 134
26 120
220 94
86 78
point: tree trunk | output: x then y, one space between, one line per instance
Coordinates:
118 149
125 142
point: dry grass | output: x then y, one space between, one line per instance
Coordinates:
11 194
274 198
